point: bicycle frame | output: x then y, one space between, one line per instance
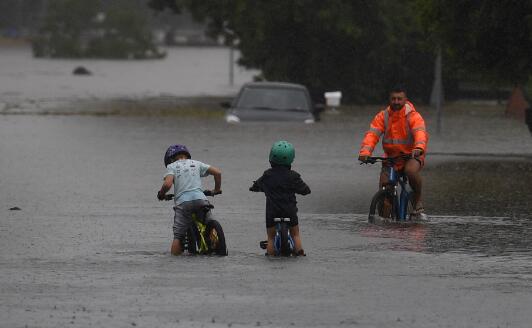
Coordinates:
277 239
209 236
396 179
202 227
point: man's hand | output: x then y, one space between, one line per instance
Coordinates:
363 158
416 152
160 195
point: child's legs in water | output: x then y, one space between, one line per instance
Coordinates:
271 236
294 232
181 224
177 248
183 220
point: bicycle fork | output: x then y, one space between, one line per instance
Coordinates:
400 199
277 239
403 204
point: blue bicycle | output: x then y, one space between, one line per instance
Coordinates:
283 244
393 203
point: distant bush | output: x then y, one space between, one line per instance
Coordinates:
75 29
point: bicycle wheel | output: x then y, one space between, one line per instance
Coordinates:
191 240
382 207
285 243
215 238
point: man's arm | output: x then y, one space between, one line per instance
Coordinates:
419 132
372 137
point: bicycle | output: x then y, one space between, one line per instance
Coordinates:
389 205
283 243
204 237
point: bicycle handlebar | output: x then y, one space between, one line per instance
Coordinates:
211 193
168 196
205 192
375 159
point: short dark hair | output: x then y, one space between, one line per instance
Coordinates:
398 88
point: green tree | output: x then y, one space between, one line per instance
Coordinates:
488 39
359 47
61 33
74 28
363 47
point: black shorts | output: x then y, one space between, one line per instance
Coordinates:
270 223
400 168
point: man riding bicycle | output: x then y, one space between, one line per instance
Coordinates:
403 131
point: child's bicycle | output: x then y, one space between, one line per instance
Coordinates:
204 237
391 205
283 244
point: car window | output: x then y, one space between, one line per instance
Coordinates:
275 98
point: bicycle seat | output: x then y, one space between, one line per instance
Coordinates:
201 212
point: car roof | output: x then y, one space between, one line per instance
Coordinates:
281 85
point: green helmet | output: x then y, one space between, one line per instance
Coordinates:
282 153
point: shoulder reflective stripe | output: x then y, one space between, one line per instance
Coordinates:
397 141
421 128
376 131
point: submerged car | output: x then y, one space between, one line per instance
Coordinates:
272 101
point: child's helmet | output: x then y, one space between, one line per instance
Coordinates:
282 153
174 150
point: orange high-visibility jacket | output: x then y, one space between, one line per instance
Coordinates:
403 131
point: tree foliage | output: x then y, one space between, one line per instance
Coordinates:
352 46
488 39
74 28
365 47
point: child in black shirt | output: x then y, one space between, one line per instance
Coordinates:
280 184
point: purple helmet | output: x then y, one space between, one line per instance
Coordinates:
174 150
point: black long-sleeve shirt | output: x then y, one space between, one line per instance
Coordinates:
280 184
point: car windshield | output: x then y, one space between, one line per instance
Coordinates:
273 98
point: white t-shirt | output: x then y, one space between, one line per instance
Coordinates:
187 179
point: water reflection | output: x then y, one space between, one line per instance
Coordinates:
478 236
491 237
473 235
409 238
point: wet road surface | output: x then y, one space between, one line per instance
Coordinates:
89 246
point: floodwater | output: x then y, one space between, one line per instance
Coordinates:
31 85
89 245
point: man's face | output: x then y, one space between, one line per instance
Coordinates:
397 100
